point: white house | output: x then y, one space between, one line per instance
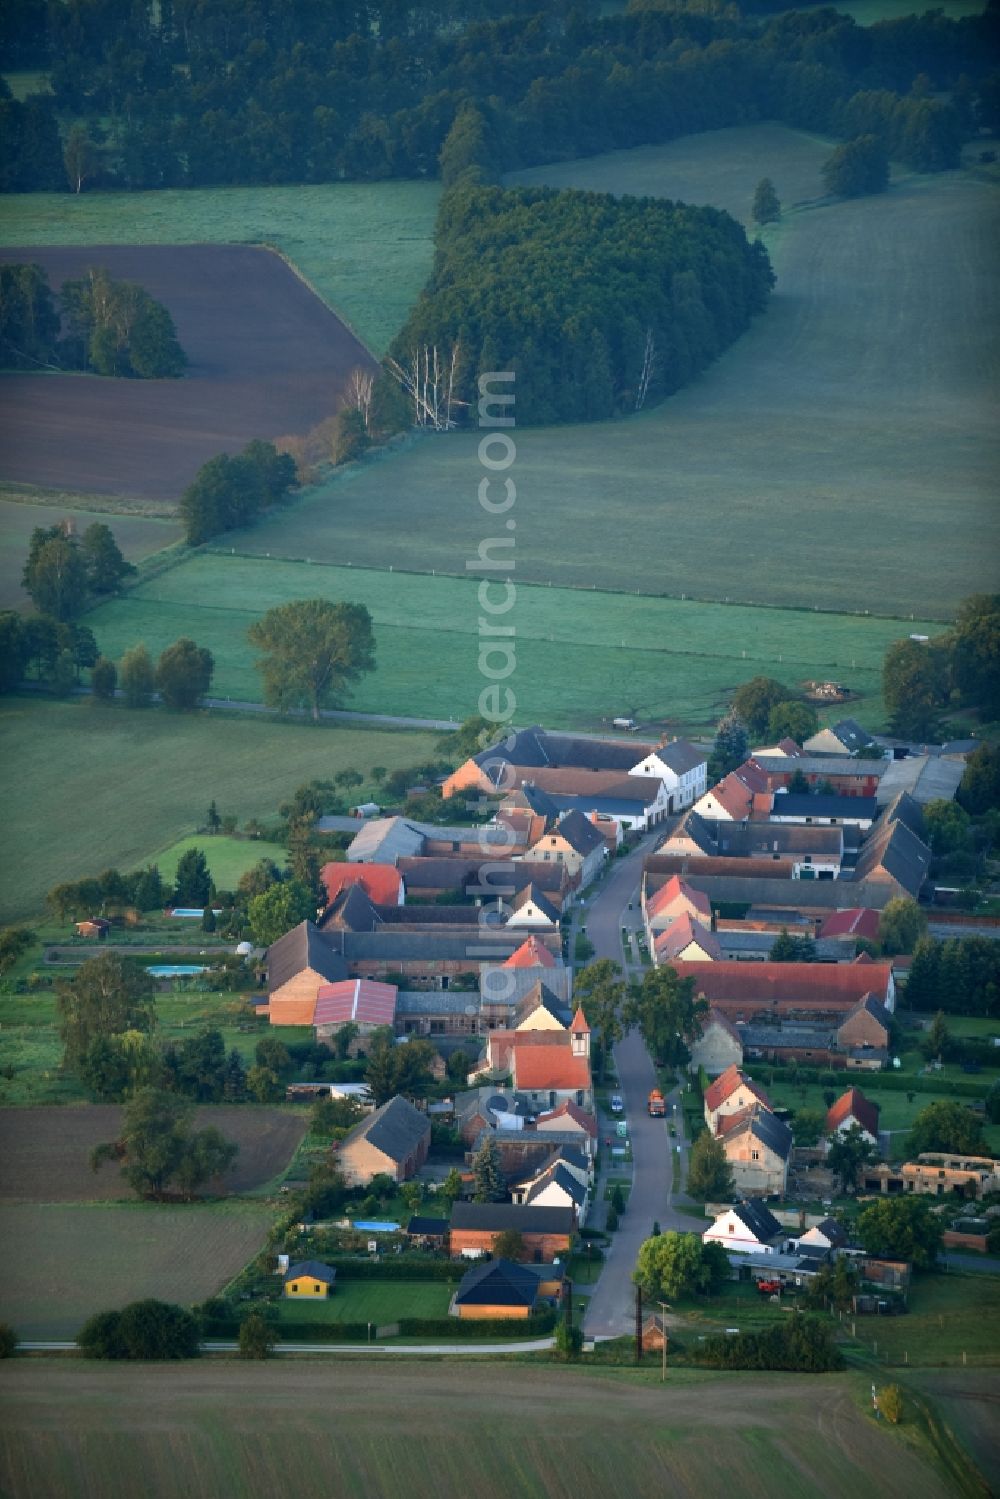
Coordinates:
683 769
730 1093
556 1187
748 1228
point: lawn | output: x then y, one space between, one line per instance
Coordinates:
364 247
808 466
141 780
372 1301
390 1427
581 658
950 1315
65 1262
227 858
896 1111
137 535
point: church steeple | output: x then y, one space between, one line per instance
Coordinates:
580 1034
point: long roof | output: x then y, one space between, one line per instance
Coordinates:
821 765
536 1068
359 1000
396 1129
441 872
823 804
537 748
856 921
494 1217
301 948
787 983
383 840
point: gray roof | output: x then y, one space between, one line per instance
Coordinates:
892 848
303 947
436 1002
538 749
805 1038
531 798
820 765
396 1129
510 985
759 1220
904 808
771 1132
491 946
383 840
418 915
557 1174
680 756
756 890
530 1139
580 834
316 1268
873 1007
493 1217
741 943
462 872
498 1283
625 803
803 805
353 910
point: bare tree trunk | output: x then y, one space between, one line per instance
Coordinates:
648 366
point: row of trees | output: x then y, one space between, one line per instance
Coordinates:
923 680
533 280
663 1006
166 97
960 976
112 327
229 492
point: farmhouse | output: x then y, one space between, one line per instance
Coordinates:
309 1278
531 908
382 883
825 1235
868 1027
844 738
812 852
748 1227
673 899
730 1093
502 1289
758 1148
893 858
821 809
545 1231
749 992
555 1186
853 1110
575 843
394 1139
742 794
719 1046
298 965
355 1002
850 926
688 940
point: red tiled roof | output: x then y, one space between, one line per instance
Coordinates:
799 984
727 1083
380 882
540 1067
675 889
680 934
858 921
726 1123
572 1110
531 954
579 1024
361 1000
853 1104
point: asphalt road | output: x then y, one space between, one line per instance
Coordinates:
534 1345
611 1308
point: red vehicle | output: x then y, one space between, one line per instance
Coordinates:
769 1287
656 1104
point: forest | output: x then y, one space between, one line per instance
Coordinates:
598 304
205 92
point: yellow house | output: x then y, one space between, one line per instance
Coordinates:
309 1278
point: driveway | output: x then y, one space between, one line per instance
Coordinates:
611 1308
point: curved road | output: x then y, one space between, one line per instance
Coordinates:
611 1308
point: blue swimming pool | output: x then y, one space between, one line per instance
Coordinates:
376 1226
176 970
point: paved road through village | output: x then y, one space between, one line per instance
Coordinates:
611 1309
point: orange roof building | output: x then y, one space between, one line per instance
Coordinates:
852 1108
531 954
382 883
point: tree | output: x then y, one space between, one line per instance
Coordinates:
55 575
732 746
508 1245
381 1072
106 567
753 701
100 1336
490 1182
14 650
467 154
789 949
947 825
183 674
937 1043
234 1084
668 1014
103 679
156 1330
106 996
976 653
672 1265
264 1084
569 1341
901 924
901 1228
208 1155
946 1125
601 991
710 1177
859 166
8 1340
451 1188
891 1403
848 1152
272 1053
350 435
766 207
278 909
792 720
807 1126
14 943
113 1067
136 675
80 157
313 649
192 882
158 1146
915 688
258 1335
979 790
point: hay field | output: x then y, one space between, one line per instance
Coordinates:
65 1262
364 247
842 453
581 657
315 1428
87 786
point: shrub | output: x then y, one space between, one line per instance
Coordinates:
569 1341
100 1336
890 1403
142 1330
802 1344
257 1334
8 1341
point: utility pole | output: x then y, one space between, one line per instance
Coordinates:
638 1324
664 1309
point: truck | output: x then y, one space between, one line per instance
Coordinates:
629 724
656 1104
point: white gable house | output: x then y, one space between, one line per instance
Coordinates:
681 767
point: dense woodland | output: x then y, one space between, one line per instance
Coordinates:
596 303
200 92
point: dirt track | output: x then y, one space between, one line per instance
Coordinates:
266 358
44 1152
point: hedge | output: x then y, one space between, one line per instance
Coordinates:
891 1081
398 1268
536 1326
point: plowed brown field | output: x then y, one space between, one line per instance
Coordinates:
266 358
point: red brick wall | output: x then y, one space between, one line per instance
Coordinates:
549 1244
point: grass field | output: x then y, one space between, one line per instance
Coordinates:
950 1315
68 1261
841 453
371 1301
968 1402
137 535
523 1433
867 12
581 658
146 779
349 240
46 1155
227 858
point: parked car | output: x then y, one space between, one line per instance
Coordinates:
617 1104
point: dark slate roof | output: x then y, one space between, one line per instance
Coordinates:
534 895
539 996
821 765
573 1188
494 1217
459 873
352 911
432 946
771 1132
498 1283
531 797
871 1006
430 1228
681 756
315 1268
803 1038
395 1129
579 833
611 803
535 748
437 1002
794 804
417 915
759 1220
303 947
894 849
905 808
